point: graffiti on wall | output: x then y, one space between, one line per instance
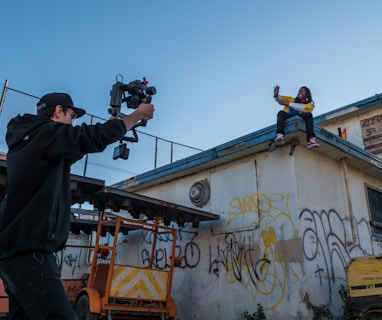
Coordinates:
326 251
267 259
188 252
69 259
259 259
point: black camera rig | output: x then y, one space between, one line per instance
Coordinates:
133 94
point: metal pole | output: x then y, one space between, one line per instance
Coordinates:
156 152
3 95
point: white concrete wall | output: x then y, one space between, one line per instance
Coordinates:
282 239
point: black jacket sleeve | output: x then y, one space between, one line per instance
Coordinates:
65 141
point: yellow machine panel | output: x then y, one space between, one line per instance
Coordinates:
364 276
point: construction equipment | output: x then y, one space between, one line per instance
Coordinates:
121 287
117 290
364 286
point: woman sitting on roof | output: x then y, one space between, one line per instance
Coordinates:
303 106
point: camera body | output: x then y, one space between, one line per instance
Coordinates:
139 93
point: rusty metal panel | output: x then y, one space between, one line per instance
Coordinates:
372 134
100 278
4 305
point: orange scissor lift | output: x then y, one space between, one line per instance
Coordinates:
119 291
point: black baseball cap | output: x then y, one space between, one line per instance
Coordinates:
57 98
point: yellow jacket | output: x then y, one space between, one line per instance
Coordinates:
294 107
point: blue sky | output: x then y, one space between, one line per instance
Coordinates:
214 62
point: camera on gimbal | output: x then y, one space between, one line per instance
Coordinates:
137 92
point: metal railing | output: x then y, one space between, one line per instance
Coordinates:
149 153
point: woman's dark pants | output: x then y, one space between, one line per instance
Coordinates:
307 116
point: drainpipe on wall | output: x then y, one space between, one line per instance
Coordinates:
257 191
350 206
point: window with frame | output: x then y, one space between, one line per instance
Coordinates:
374 199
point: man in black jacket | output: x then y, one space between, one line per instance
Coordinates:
35 214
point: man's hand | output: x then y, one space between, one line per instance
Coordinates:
276 89
112 118
146 111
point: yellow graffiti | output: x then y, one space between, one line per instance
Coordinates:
271 268
268 234
242 206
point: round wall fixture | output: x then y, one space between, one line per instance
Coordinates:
200 193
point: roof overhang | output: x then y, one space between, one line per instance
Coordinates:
103 198
138 206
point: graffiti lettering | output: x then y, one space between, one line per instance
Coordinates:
325 236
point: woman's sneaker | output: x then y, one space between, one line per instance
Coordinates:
312 143
279 140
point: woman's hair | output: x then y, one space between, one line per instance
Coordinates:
308 95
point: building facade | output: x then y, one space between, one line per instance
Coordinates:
290 220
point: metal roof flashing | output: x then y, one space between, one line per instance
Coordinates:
331 146
351 110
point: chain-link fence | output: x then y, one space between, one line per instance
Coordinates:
149 153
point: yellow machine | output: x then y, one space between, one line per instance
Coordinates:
364 284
